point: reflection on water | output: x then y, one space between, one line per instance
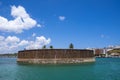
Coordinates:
102 69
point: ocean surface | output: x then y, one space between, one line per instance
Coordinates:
102 69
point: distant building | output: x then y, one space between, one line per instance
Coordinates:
114 53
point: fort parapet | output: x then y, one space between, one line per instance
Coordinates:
54 56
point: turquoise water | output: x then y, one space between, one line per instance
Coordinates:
102 69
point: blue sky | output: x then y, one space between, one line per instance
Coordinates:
85 23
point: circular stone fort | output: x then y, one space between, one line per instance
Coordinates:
55 56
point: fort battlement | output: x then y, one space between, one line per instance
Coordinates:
46 56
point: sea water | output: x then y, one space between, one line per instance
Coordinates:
102 69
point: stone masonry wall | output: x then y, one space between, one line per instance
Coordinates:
55 56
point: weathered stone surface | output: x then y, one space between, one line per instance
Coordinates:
55 56
55 61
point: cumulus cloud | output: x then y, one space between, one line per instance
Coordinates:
62 18
23 43
38 43
38 25
13 44
8 43
34 34
12 39
22 21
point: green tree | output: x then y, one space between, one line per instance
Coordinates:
51 47
44 47
71 46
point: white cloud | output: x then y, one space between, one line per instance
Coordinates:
38 25
34 34
22 21
13 44
8 43
38 43
1 38
23 43
12 39
62 18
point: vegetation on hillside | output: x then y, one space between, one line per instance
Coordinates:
9 55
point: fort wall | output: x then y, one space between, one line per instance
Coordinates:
46 56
